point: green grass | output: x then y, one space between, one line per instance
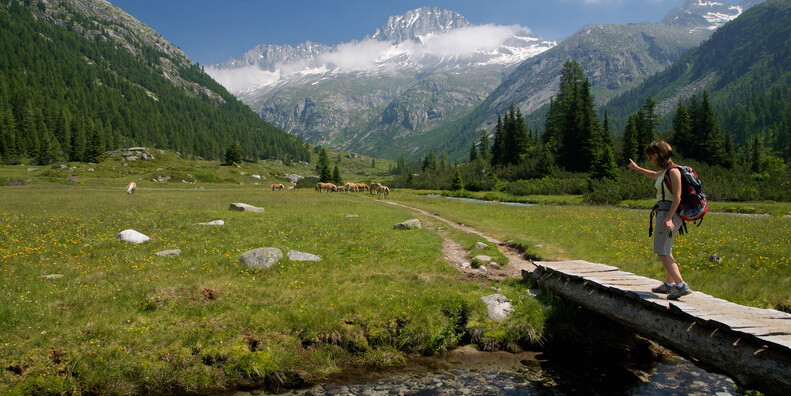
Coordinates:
123 320
756 250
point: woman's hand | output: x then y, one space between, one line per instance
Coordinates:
669 223
631 164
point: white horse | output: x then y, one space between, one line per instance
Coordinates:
130 189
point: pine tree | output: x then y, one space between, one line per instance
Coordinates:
373 163
473 153
323 167
682 131
456 184
483 145
630 149
336 176
604 165
94 152
498 144
233 154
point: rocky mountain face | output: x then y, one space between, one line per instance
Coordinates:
615 58
127 33
416 72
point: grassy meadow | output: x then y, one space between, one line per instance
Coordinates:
124 320
755 249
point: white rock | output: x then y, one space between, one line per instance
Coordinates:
213 223
52 276
261 258
132 236
481 245
243 207
294 255
169 253
498 307
409 224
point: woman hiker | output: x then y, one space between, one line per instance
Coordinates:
659 154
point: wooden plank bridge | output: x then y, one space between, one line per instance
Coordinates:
751 345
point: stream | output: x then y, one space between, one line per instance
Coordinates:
466 371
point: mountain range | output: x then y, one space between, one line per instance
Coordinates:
417 83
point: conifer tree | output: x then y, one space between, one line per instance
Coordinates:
604 165
94 151
498 144
629 148
483 145
336 176
233 154
323 167
682 133
473 153
456 184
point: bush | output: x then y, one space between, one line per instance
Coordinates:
307 182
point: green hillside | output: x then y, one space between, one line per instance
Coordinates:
78 78
746 69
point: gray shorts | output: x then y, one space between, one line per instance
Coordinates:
663 242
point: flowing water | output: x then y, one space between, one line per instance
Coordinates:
466 371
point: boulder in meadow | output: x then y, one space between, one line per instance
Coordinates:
408 225
243 207
498 307
169 253
132 236
261 258
294 255
213 223
481 245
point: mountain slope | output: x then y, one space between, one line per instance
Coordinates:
746 61
88 75
419 70
615 58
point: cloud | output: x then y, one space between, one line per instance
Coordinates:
243 78
370 54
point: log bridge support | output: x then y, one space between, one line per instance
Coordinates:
750 345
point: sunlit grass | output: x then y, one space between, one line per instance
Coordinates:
124 320
756 250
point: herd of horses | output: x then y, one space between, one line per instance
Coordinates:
378 188
381 191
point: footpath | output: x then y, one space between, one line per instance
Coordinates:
751 345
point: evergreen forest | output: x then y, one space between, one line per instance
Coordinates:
70 92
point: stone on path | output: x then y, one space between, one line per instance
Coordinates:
169 253
243 207
132 236
294 255
213 223
481 245
261 258
481 260
498 307
408 225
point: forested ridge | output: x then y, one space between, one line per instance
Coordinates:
69 91
746 69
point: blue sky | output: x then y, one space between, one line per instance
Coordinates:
211 31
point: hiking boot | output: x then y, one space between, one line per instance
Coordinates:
679 291
664 288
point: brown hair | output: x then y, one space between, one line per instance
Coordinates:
662 150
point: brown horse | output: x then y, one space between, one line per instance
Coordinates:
277 187
325 186
350 187
383 191
131 188
374 187
362 186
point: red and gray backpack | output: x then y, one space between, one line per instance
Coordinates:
694 203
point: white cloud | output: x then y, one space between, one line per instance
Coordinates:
369 54
241 79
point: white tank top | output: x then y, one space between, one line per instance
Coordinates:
660 186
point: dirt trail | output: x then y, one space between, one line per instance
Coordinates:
457 255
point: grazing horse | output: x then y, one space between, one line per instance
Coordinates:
383 191
362 186
130 189
350 187
374 187
277 187
325 186
290 188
